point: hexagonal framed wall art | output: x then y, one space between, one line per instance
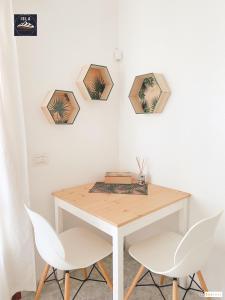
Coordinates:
60 107
149 93
95 82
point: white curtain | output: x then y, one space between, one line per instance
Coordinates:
17 271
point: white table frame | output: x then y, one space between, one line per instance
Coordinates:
118 234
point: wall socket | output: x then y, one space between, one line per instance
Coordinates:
40 159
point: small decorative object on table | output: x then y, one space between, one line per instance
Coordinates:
141 176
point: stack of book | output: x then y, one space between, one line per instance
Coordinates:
120 177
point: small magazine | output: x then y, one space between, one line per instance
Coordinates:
133 189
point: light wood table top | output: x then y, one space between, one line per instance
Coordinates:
120 209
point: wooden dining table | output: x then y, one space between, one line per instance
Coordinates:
119 215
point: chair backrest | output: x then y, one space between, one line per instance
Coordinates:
47 241
197 243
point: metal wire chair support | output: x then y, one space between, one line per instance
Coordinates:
58 281
160 287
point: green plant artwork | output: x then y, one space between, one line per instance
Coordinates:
145 106
153 104
97 88
60 109
147 82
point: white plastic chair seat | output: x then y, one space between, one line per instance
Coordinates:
157 252
173 255
82 248
76 248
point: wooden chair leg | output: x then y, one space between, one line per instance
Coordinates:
41 282
105 273
202 282
175 290
85 273
67 286
162 278
135 280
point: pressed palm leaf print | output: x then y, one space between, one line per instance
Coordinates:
60 108
97 88
147 106
153 104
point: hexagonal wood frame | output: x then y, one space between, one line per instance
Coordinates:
157 100
72 110
85 82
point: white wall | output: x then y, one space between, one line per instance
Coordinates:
184 145
70 34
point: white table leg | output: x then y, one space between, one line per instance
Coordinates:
183 218
118 275
58 228
58 218
183 227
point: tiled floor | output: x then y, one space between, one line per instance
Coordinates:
99 291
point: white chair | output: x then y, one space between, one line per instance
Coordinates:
76 248
173 255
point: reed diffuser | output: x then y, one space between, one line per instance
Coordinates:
141 176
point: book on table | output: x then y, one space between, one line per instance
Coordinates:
120 177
